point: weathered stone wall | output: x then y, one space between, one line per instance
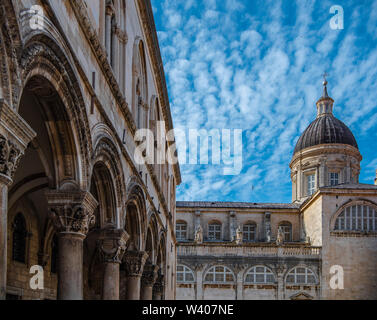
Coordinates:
355 252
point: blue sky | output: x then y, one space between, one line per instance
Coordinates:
257 66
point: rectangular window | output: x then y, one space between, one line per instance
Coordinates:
249 232
214 232
287 231
334 178
181 231
311 184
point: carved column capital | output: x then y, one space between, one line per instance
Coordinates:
134 262
112 244
15 135
71 211
10 156
149 276
158 287
109 8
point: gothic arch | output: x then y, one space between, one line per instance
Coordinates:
42 58
135 219
152 234
139 84
106 161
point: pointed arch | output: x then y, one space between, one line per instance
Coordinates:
139 84
135 220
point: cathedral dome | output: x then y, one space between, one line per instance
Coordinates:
325 129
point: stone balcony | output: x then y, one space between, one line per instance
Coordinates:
224 249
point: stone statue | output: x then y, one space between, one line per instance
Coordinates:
239 235
280 236
199 234
268 235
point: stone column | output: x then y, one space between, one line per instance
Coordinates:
15 135
158 288
148 279
4 183
134 261
112 245
72 216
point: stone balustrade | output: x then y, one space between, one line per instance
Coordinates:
267 250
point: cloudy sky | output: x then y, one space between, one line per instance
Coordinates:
256 65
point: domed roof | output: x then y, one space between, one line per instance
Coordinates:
325 129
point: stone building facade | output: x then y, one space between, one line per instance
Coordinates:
323 245
77 79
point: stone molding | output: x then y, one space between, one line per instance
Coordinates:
149 276
323 149
112 244
134 262
71 211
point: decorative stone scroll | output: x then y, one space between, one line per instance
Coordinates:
71 211
112 244
134 262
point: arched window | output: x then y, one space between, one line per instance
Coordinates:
184 274
140 85
54 254
214 231
19 238
110 24
357 217
301 275
219 274
181 230
260 274
249 232
287 231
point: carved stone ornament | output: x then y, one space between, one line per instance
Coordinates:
134 262
112 244
280 237
71 211
10 157
199 235
15 135
149 275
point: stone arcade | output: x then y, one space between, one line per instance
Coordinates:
73 91
288 250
